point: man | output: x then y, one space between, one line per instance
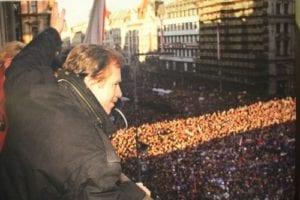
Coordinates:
58 146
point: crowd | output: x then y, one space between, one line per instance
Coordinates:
211 145
186 99
198 142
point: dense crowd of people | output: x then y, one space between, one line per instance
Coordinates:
210 145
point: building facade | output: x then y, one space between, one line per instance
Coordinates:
134 30
248 42
10 22
35 17
179 35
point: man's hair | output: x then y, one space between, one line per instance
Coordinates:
10 50
92 60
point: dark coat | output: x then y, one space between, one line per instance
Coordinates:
57 145
3 119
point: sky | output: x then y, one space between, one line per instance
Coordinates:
111 4
78 10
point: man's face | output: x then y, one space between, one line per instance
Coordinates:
108 91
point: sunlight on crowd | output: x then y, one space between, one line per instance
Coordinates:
168 136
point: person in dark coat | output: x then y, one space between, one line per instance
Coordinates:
7 53
57 145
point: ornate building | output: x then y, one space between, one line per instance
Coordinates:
134 30
10 22
35 17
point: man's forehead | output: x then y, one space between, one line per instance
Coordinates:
115 75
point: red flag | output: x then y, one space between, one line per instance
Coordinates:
95 30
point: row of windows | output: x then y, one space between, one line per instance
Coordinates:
181 66
181 26
189 53
181 38
282 8
282 48
183 13
279 27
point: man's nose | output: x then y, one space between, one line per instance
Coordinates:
119 92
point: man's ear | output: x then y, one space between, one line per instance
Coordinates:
88 81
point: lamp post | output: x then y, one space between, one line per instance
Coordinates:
138 159
140 146
219 58
161 12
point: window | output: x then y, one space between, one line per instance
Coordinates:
278 28
185 67
286 27
285 47
194 67
278 8
34 7
28 7
194 11
195 25
286 8
277 47
191 25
